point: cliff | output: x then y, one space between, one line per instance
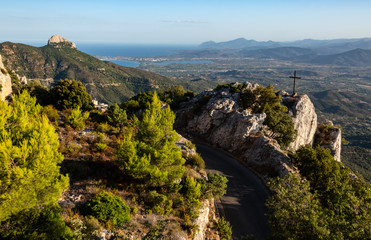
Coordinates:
304 116
5 82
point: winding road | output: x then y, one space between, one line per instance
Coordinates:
243 204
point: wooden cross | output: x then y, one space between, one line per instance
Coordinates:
294 77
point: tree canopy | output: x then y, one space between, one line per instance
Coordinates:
71 94
326 204
149 152
29 157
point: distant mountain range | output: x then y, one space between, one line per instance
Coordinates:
105 81
344 52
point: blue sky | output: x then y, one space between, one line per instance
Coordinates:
183 21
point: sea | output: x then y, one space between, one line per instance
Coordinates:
133 51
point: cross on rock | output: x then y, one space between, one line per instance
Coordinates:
294 77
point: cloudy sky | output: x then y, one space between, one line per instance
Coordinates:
183 21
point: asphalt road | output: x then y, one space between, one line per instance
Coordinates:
243 205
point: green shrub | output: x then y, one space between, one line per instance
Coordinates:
224 229
117 116
192 193
71 95
195 160
104 127
265 100
215 186
36 223
100 146
160 203
50 112
76 118
106 207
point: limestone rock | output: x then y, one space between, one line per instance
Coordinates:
217 117
267 157
202 220
304 117
59 42
329 136
5 82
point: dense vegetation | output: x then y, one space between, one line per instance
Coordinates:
328 203
29 158
122 168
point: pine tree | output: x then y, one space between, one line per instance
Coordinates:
151 154
29 158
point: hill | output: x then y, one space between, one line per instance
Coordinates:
105 81
352 112
356 57
342 103
332 46
281 53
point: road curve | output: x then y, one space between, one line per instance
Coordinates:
243 204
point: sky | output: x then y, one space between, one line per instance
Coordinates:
182 21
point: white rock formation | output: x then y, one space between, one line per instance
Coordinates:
304 117
217 117
202 220
266 155
5 82
58 42
329 136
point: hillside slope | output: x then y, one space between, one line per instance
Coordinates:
105 81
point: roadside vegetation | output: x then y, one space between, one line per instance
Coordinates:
75 172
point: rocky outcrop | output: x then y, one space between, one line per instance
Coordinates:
5 82
217 117
329 136
265 154
59 42
304 116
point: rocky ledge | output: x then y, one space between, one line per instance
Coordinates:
59 42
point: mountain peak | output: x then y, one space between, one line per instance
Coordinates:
58 42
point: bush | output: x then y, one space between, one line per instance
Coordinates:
224 229
36 223
106 207
195 160
76 118
160 203
50 112
265 100
192 193
71 95
100 146
215 186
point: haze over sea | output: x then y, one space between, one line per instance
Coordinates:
130 50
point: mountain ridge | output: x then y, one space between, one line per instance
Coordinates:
105 81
